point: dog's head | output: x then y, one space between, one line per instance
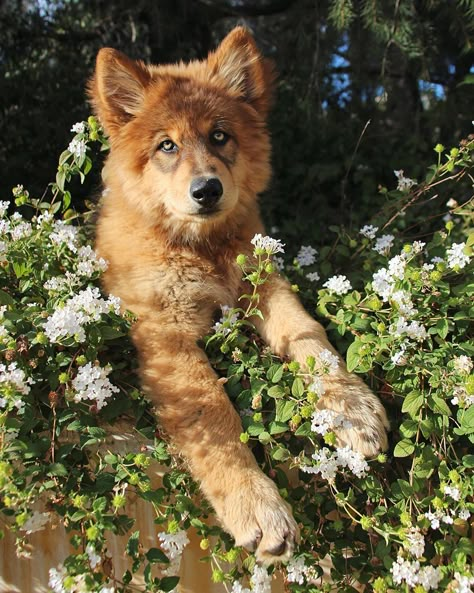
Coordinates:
189 145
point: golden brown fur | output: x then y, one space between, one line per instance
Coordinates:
173 264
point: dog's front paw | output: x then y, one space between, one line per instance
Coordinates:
259 519
365 421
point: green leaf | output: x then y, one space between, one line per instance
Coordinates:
352 356
57 469
297 389
284 410
304 430
412 403
5 298
467 420
442 328
280 454
277 427
168 583
132 544
404 448
155 555
275 373
438 405
276 392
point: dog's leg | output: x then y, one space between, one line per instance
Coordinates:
290 331
195 411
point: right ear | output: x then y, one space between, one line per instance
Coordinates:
117 88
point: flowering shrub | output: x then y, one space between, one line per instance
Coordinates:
400 309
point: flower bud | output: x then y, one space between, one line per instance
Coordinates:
241 259
439 148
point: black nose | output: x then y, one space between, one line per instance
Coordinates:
206 191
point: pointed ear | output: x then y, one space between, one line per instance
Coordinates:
117 88
238 62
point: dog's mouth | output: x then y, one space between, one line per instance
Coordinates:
207 211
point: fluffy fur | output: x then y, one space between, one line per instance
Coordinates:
173 264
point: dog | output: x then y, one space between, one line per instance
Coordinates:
189 154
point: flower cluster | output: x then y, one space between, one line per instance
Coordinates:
80 310
267 245
306 255
328 463
173 544
412 574
91 383
338 284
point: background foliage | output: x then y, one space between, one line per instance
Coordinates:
402 65
399 310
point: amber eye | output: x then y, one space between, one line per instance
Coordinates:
219 138
167 146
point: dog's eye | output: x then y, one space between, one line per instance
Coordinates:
219 138
167 146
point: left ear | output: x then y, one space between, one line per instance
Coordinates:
247 75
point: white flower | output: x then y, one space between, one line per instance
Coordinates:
434 518
279 263
369 231
77 148
404 570
415 542
383 244
65 234
383 283
396 267
15 378
89 262
404 183
417 246
317 386
91 383
464 514
81 309
447 519
36 522
268 244
79 128
306 255
20 231
313 276
261 580
456 256
56 577
353 460
107 590
430 577
173 544
437 260
404 303
329 462
413 330
226 322
463 583
324 421
296 570
94 558
3 208
238 588
462 364
399 358
329 360
453 492
338 285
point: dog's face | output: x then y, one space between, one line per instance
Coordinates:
189 145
